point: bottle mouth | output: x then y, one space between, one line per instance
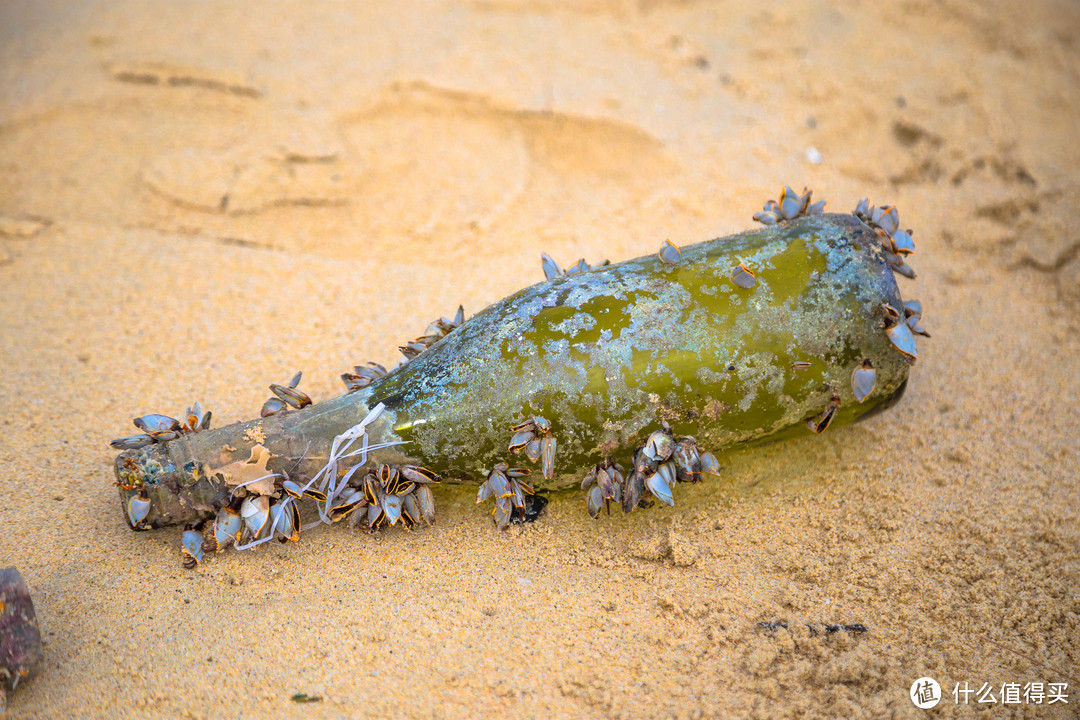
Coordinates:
178 494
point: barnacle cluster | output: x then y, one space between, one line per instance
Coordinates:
504 483
435 332
603 484
661 462
285 397
552 269
362 375
162 428
392 494
384 496
535 437
791 205
896 244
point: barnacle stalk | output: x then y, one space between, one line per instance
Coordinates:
607 355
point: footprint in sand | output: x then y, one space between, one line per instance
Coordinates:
244 181
175 75
24 227
441 160
435 169
18 228
287 158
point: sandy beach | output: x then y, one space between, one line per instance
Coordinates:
199 199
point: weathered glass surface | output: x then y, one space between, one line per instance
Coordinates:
605 355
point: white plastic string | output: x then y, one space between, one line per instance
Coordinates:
271 475
340 449
255 543
341 444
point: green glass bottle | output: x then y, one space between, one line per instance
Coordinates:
752 337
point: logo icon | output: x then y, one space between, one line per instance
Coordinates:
925 693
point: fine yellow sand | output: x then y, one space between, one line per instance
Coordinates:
199 199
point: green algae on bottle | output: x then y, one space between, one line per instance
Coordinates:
625 379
